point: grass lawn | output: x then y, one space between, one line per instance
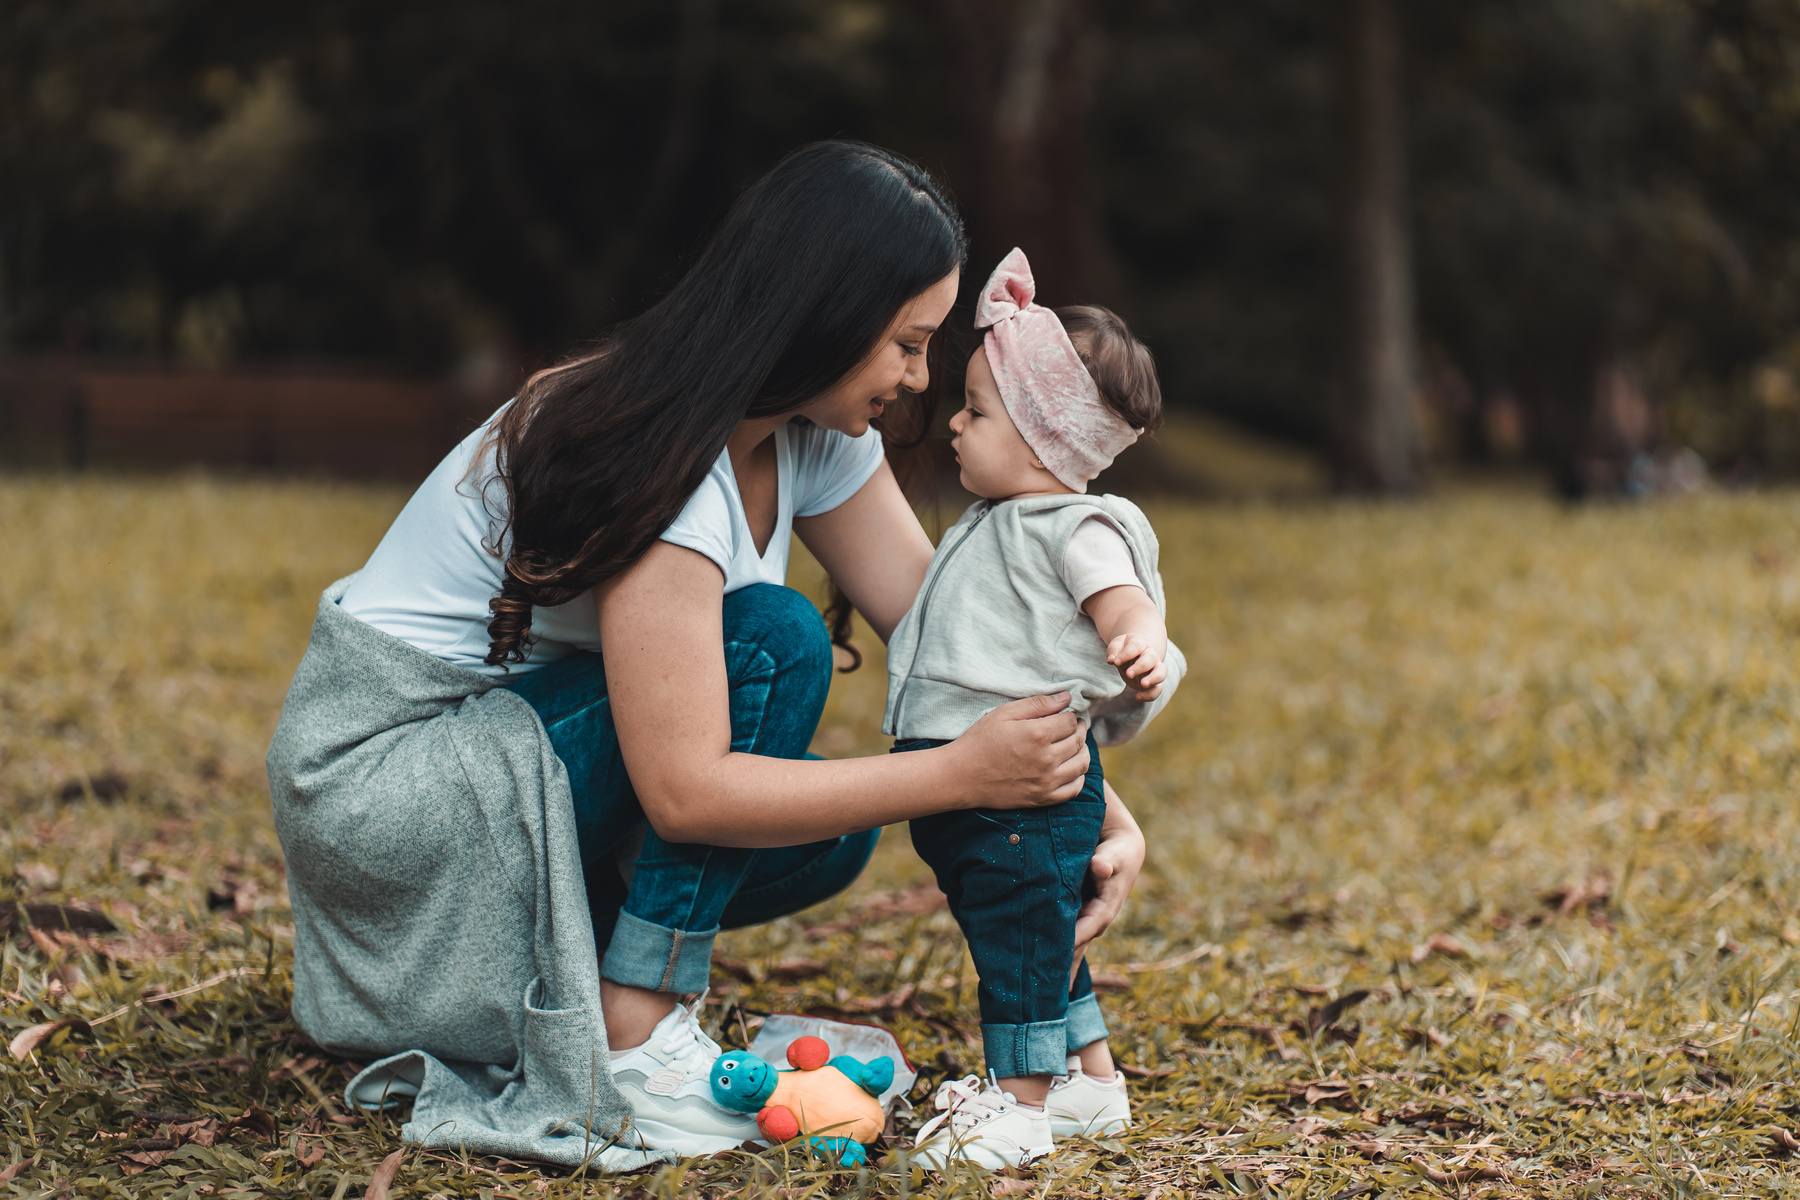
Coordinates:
1472 863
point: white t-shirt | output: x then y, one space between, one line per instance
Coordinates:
1096 558
429 581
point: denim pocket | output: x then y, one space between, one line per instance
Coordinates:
1074 833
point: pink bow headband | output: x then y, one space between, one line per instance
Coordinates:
1047 391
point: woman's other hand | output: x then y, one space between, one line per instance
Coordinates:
1025 754
1114 869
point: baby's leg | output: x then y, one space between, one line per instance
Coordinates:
1090 1101
1087 1028
1014 883
1003 893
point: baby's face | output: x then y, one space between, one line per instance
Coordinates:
996 461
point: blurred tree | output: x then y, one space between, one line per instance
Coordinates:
1600 189
1376 441
1023 72
1215 140
410 181
1565 232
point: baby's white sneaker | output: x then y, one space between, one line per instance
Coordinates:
978 1123
666 1082
1080 1105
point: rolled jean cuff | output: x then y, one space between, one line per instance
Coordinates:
1040 1048
662 960
1086 1024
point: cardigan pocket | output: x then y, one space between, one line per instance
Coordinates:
566 1049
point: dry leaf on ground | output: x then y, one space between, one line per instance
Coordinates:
29 1039
73 918
1456 1176
1439 943
383 1178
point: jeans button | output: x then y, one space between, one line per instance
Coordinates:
1013 840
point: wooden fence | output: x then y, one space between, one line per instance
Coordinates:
74 414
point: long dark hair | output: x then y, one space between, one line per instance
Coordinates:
792 293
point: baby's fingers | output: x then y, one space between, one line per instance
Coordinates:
1147 662
1124 648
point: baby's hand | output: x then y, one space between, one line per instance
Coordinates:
1140 664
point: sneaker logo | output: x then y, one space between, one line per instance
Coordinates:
664 1082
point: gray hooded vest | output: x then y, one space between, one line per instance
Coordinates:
994 622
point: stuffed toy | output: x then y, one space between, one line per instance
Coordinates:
831 1102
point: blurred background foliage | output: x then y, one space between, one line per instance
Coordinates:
1598 197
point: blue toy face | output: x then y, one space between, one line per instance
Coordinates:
741 1081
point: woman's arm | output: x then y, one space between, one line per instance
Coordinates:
662 628
1115 866
873 545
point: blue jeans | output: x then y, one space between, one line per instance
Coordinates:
657 931
1016 879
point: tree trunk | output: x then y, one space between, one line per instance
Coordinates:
1024 76
1379 447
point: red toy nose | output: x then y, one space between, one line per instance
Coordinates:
808 1053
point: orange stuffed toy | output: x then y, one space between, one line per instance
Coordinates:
831 1102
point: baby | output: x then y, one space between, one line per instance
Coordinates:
1037 589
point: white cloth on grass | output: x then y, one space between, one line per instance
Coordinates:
429 581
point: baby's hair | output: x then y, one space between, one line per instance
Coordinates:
1121 366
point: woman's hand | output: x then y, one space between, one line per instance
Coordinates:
662 624
1026 754
1114 868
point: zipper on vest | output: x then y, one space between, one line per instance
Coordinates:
925 603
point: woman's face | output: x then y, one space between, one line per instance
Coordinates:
897 365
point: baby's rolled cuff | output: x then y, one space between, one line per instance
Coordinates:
1043 1047
1037 1048
1085 1023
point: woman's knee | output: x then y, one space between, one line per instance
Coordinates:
783 624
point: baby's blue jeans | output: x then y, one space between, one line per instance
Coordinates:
657 932
1015 879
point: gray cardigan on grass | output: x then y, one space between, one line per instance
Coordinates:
440 919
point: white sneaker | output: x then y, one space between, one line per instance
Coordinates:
1080 1105
980 1124
665 1082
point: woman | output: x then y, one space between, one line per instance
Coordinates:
461 776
